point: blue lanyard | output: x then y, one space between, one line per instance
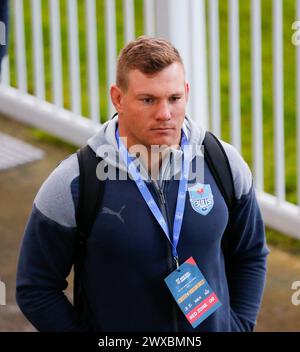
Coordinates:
135 174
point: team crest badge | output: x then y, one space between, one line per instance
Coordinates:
201 198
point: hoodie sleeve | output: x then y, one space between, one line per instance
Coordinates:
47 253
246 256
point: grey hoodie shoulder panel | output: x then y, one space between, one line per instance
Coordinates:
242 177
55 198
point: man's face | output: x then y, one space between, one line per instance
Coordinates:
152 110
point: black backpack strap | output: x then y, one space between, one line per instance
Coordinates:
219 166
90 192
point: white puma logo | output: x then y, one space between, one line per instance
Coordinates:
106 210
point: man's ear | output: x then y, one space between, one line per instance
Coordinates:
116 96
187 91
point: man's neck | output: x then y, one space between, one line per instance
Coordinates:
155 159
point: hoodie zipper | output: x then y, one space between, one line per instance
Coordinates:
163 206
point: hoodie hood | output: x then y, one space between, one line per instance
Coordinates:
105 145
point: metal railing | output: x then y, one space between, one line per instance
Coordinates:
160 18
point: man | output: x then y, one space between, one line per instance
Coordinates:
147 230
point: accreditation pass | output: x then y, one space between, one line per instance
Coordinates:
192 293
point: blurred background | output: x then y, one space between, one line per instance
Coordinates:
242 60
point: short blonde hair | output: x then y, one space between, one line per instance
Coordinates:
146 54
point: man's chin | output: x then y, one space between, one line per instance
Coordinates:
166 139
163 143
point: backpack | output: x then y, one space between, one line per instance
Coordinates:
91 193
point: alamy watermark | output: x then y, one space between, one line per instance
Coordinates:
296 295
149 162
296 35
2 33
2 293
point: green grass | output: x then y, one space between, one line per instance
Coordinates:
286 243
45 137
245 75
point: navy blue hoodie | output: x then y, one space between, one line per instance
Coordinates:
128 255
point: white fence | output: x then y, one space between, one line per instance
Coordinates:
187 24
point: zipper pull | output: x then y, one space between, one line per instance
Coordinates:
162 197
176 259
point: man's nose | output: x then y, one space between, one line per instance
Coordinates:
163 112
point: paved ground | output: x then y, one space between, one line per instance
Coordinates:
17 189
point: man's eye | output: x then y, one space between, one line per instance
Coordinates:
148 100
175 99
